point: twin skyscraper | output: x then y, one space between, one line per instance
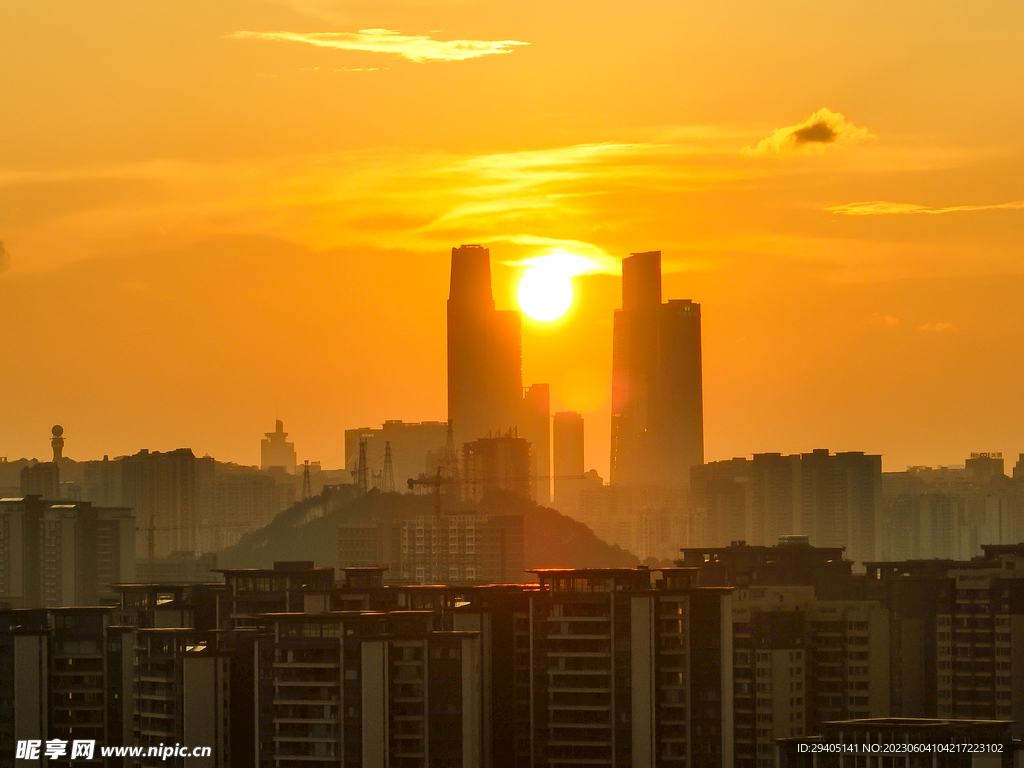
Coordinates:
657 402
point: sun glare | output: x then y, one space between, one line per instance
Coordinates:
545 290
544 294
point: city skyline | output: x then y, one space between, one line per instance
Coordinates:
215 219
434 383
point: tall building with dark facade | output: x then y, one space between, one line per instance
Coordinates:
657 396
485 380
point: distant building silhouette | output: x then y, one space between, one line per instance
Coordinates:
416 448
535 427
834 499
41 479
657 395
485 381
497 464
950 512
568 451
57 443
277 451
452 549
792 561
982 467
161 488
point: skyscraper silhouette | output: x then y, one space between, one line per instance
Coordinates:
657 398
485 380
535 426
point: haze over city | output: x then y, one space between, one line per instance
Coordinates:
218 215
436 383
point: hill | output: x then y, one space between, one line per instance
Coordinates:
308 530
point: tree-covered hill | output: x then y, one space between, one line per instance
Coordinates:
308 530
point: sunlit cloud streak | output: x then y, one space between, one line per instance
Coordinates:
881 208
823 128
418 48
571 257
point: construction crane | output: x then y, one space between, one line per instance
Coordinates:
435 482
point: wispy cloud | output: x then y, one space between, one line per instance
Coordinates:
879 319
417 48
937 327
821 129
880 207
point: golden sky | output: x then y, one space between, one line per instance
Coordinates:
215 214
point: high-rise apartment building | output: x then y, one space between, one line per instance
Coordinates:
619 666
657 396
55 554
485 381
801 661
499 463
64 677
957 633
161 488
834 499
369 690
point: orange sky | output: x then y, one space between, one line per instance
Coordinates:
215 214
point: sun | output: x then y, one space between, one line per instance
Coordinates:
545 292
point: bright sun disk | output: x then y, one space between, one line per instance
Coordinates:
545 293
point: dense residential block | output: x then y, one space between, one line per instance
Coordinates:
834 499
63 553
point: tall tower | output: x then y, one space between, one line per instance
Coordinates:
277 451
657 398
57 443
679 392
485 380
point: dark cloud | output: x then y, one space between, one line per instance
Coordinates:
820 132
821 129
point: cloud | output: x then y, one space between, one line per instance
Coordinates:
879 319
822 128
880 207
5 258
572 257
417 48
936 327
